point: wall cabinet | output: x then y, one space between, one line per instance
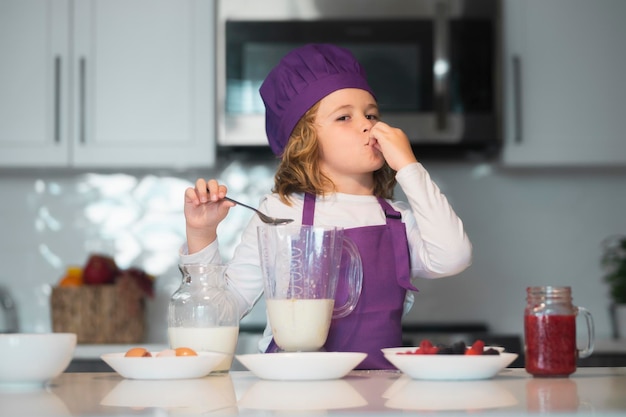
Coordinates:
106 83
564 88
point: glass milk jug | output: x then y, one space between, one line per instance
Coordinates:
203 314
550 332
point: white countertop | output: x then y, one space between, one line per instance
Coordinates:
597 391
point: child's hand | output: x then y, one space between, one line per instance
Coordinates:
204 209
394 145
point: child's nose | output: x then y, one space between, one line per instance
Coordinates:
367 125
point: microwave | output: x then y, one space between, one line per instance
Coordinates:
434 65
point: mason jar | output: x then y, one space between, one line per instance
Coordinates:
550 332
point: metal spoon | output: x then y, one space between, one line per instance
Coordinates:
264 217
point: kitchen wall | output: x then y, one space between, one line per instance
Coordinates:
528 227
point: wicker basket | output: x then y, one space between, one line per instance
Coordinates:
100 313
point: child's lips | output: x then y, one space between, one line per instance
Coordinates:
374 144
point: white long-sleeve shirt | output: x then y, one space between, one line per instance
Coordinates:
438 244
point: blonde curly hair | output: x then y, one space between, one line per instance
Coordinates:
299 170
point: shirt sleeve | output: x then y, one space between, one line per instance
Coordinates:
438 243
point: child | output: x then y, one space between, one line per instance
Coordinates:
339 166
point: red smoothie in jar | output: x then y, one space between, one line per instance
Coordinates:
550 344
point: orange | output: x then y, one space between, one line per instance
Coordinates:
73 277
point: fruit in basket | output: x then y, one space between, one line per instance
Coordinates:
100 269
73 277
141 278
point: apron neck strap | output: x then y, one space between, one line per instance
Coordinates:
308 212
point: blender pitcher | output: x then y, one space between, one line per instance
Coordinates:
301 268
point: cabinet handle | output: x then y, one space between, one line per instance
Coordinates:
57 99
441 64
82 67
517 99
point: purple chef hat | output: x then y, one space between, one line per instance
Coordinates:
302 78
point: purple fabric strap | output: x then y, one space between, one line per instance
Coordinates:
400 245
308 213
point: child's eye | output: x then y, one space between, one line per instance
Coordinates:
343 118
372 116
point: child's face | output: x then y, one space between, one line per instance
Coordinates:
343 123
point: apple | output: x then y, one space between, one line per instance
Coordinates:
144 280
100 269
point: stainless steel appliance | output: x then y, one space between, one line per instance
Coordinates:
434 64
8 312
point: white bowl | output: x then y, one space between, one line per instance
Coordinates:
301 366
448 367
164 367
33 359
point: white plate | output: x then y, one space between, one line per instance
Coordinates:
411 394
448 367
164 367
301 366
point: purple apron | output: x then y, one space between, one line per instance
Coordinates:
375 322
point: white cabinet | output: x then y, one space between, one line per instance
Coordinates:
565 98
34 93
107 83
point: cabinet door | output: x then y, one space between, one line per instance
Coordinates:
143 83
565 64
34 97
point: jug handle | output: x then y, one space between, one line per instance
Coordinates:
586 352
355 280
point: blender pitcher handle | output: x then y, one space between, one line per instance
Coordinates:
588 350
355 280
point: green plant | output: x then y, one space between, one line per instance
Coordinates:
614 263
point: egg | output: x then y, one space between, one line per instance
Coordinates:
166 352
185 351
137 352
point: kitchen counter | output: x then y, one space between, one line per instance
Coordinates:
598 391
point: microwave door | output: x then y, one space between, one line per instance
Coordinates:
434 76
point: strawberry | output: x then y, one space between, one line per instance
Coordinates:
477 348
426 344
427 348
